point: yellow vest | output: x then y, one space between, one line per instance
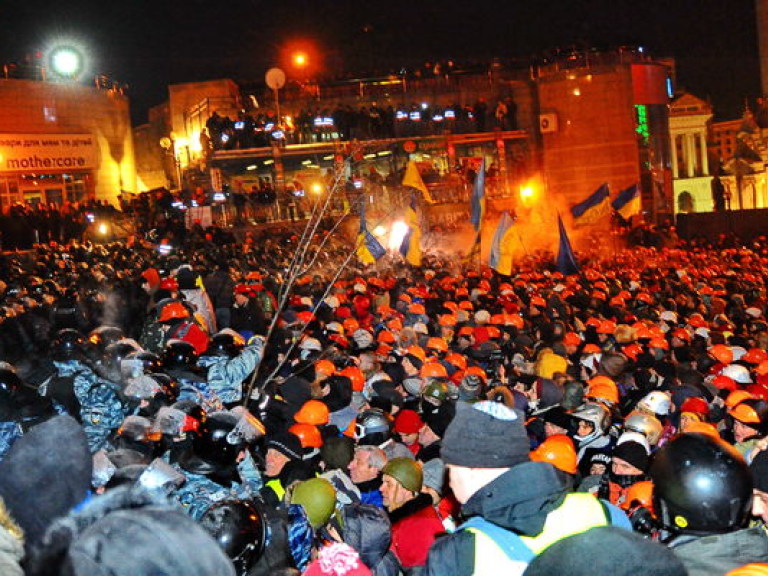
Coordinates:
276 487
578 513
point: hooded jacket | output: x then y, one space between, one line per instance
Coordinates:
720 553
520 500
367 530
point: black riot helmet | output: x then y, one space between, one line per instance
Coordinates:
179 355
111 361
224 344
217 442
67 345
701 486
140 362
240 528
10 384
103 336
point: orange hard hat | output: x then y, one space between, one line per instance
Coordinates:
313 412
696 427
416 309
571 339
350 325
385 336
437 343
305 316
559 451
639 493
433 370
447 320
466 331
476 371
745 413
355 376
591 349
737 397
722 382
515 320
417 351
633 351
456 359
173 310
308 435
604 391
658 343
721 353
493 332
539 302
606 327
755 356
325 367
395 324
466 305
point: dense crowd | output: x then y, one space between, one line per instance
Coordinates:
273 407
256 128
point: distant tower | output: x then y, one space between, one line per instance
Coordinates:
761 11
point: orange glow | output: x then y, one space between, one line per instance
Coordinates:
300 59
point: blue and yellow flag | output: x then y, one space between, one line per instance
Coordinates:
412 178
411 245
368 248
501 247
627 203
478 197
594 208
566 260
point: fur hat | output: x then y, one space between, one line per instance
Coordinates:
46 473
103 538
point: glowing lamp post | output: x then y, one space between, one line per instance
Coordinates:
66 62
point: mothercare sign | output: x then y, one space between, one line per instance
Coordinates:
47 152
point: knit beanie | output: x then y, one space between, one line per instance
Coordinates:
287 444
485 435
337 559
633 453
606 550
439 418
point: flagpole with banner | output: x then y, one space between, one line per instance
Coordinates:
566 259
477 205
596 207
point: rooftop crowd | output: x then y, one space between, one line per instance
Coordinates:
270 406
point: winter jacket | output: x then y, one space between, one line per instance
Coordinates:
521 501
368 531
720 553
415 525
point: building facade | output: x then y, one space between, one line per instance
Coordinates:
63 143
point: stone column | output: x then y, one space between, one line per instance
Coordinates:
674 155
704 156
690 154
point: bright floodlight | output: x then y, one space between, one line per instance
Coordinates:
66 62
396 235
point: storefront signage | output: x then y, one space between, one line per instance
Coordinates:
41 153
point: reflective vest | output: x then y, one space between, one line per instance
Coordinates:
276 486
499 551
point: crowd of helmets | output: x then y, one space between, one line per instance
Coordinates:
145 401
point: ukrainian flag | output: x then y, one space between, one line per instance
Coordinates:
412 178
411 245
501 246
594 208
566 260
627 203
369 250
478 197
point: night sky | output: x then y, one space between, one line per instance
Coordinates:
148 44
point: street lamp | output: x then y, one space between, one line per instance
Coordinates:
275 79
168 143
66 62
